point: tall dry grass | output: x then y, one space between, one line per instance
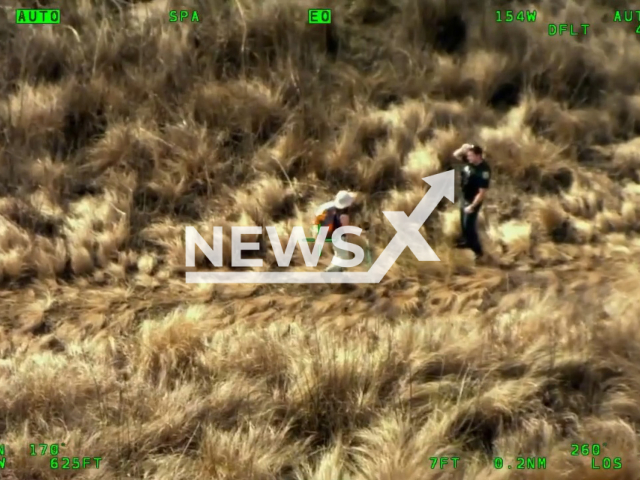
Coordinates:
120 128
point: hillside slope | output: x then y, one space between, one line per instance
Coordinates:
119 128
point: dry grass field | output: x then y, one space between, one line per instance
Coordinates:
119 128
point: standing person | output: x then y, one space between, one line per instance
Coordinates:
476 177
335 214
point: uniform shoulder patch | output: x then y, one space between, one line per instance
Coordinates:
486 175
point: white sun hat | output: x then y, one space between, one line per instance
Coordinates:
344 199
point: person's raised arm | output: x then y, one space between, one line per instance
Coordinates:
460 153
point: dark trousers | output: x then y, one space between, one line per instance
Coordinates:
469 227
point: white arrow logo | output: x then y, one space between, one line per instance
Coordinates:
407 235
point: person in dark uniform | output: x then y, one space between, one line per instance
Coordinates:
476 178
